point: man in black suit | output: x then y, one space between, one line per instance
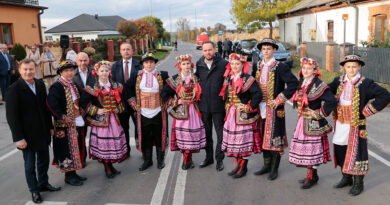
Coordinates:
31 127
210 69
123 70
82 78
6 70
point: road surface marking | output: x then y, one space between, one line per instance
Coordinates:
178 197
48 203
379 158
8 154
162 180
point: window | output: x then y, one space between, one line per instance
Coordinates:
5 33
330 31
380 27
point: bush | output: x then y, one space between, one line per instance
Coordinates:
19 52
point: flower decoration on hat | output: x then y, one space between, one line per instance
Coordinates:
352 58
311 62
181 58
100 64
242 58
66 64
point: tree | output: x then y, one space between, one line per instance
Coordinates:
252 14
208 28
127 28
144 27
183 24
19 52
202 29
157 23
167 36
219 27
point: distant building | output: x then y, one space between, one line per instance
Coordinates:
322 21
86 27
18 18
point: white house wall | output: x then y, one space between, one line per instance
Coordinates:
84 35
319 21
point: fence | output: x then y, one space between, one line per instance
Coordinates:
317 50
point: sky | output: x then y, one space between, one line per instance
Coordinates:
208 12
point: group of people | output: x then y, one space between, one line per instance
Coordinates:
247 111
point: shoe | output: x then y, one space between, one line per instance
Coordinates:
312 179
50 188
190 165
219 166
184 166
358 185
145 165
206 163
71 179
160 158
114 171
267 164
80 177
274 166
36 197
237 162
107 170
345 181
243 169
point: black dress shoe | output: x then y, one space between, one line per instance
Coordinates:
73 180
36 198
206 163
50 188
219 166
80 177
145 165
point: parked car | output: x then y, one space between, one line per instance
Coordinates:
281 54
200 39
245 47
235 44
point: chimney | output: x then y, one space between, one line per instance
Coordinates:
96 16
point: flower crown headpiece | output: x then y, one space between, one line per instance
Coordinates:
235 56
311 62
242 58
100 64
181 58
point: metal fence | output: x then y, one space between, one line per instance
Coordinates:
377 63
317 50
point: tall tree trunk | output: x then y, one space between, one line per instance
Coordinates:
270 29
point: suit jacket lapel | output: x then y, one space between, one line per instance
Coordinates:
27 89
121 75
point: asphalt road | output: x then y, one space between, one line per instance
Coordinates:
200 186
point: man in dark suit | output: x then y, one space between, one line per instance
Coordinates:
83 77
6 69
123 70
31 127
210 69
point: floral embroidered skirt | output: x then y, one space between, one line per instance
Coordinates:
188 135
108 144
308 151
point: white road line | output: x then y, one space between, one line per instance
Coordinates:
8 154
379 158
123 204
178 197
48 203
162 180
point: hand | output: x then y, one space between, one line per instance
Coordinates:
101 111
241 107
272 103
52 132
21 144
181 93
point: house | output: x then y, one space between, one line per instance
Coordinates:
323 21
85 26
18 18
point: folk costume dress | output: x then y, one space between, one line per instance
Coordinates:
240 132
272 78
358 98
188 132
152 119
68 142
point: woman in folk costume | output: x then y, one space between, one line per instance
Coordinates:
102 103
358 98
152 119
313 101
277 84
68 143
188 132
240 131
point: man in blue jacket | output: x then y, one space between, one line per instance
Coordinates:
6 69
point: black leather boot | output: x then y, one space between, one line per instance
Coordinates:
345 181
107 170
358 185
311 179
114 171
267 163
237 162
71 179
274 166
160 158
147 159
243 169
80 177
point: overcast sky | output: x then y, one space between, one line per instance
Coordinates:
208 12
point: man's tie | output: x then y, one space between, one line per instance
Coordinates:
126 71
